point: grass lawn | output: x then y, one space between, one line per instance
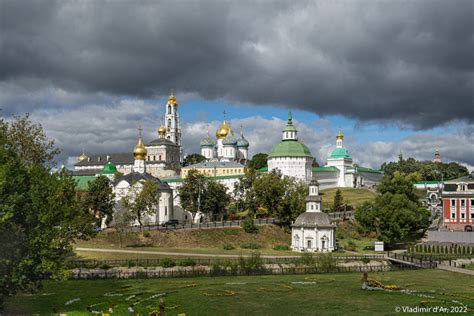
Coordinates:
353 196
326 294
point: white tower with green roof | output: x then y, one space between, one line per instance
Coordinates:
341 159
291 156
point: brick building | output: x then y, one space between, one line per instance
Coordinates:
458 203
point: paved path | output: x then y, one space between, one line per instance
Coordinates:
454 269
185 254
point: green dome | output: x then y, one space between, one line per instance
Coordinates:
340 153
109 168
207 142
290 148
242 142
229 139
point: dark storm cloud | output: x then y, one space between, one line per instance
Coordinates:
407 62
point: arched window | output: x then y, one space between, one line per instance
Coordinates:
169 123
169 109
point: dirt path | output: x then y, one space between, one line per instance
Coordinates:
454 269
190 254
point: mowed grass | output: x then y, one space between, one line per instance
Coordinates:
352 196
325 294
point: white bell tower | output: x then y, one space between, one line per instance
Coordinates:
173 129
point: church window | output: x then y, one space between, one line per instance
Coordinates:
166 210
312 207
169 122
169 109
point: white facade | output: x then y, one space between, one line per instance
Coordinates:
296 167
173 129
291 157
313 231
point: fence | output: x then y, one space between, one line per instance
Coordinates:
234 272
420 262
341 215
202 261
216 224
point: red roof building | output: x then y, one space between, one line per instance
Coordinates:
458 203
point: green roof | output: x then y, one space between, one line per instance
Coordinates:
368 170
208 142
179 179
340 152
82 182
290 148
265 168
109 168
325 169
428 182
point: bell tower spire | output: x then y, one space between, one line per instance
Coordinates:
173 129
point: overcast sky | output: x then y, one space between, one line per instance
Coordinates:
394 75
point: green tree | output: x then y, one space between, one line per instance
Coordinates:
100 199
190 192
192 159
270 190
244 193
293 202
142 200
258 161
121 222
338 202
214 200
396 211
39 213
315 163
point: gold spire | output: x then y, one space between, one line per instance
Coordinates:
339 135
139 152
83 156
162 131
171 98
223 129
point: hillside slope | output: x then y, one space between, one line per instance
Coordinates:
268 237
352 196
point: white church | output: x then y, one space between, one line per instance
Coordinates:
313 230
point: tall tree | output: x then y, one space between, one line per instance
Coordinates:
190 192
39 214
258 161
214 200
293 202
396 212
100 199
142 200
270 191
192 159
244 193
338 201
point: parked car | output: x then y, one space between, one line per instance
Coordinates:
171 222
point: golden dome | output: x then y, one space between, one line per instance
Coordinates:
171 99
162 130
83 156
339 135
222 130
139 152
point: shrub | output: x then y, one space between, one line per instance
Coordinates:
131 263
365 260
307 259
188 262
249 226
281 247
327 263
167 263
252 263
228 247
146 234
351 246
104 266
250 245
339 235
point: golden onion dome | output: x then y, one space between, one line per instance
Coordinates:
83 156
339 135
162 130
222 130
171 99
139 152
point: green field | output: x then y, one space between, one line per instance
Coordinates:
352 196
324 294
